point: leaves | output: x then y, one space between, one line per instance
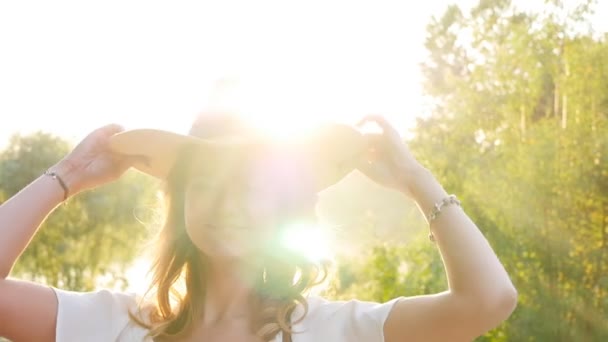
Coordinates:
94 234
520 132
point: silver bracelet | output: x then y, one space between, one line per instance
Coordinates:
451 199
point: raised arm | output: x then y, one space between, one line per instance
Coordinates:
28 311
480 294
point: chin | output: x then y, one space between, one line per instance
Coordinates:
230 253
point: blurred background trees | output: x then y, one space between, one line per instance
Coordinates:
519 131
91 238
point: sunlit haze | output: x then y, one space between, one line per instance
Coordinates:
68 67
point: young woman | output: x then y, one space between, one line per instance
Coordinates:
229 194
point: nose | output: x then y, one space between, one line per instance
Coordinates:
230 202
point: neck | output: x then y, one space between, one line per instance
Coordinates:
228 292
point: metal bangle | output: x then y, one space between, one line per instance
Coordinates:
436 211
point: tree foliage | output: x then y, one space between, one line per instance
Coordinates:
519 130
93 235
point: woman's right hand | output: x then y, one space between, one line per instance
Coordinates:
91 163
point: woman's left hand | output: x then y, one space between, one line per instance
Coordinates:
387 160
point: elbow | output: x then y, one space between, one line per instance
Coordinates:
492 309
506 302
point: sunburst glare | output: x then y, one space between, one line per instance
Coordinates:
312 241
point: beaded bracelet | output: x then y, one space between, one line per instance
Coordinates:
451 199
53 174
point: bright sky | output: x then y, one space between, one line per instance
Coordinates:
71 66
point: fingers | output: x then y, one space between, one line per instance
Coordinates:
111 129
120 163
137 160
374 138
377 149
104 133
378 119
378 172
377 141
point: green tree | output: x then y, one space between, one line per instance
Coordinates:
94 234
519 130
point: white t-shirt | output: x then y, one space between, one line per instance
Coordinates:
103 316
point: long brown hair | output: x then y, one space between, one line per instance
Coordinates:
179 274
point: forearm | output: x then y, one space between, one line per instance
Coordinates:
473 269
21 216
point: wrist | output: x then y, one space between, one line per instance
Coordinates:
67 171
425 189
411 178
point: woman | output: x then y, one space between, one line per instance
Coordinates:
229 193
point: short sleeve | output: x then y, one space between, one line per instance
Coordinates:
342 321
96 316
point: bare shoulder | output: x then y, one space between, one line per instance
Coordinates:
28 311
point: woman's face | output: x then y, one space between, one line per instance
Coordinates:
234 207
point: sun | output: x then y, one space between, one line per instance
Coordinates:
312 241
277 105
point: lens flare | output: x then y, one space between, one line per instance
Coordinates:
312 241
